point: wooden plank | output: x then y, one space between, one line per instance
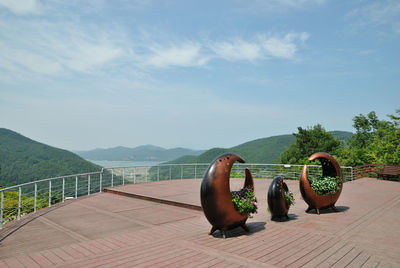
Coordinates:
348 258
28 261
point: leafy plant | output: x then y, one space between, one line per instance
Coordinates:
289 198
244 201
324 185
10 210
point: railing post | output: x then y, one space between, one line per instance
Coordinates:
49 193
195 170
2 209
181 172
158 173
352 174
35 202
19 203
63 190
112 177
146 174
123 176
169 172
76 187
88 185
134 175
101 182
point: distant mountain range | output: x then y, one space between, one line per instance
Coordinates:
24 160
140 153
265 150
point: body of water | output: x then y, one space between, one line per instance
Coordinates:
106 163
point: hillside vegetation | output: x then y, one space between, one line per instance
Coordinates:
140 153
375 142
24 160
265 150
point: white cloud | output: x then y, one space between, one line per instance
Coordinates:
20 6
86 54
12 59
279 6
262 47
185 55
378 14
279 48
48 45
285 47
296 3
51 48
236 50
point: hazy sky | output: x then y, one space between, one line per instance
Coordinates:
199 74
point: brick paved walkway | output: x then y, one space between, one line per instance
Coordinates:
108 230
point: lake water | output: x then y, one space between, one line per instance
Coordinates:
106 163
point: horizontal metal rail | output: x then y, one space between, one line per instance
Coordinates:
32 196
49 179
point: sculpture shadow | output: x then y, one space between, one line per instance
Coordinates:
254 227
329 210
291 217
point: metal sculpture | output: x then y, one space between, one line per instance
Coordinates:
331 168
276 201
215 195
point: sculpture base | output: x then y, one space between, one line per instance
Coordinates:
318 209
223 231
280 218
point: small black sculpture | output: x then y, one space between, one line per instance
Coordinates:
276 201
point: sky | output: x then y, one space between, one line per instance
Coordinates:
80 75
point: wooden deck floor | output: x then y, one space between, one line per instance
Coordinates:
108 230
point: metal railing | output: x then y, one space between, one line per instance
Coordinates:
390 172
18 200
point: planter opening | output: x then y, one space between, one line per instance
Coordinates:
324 185
244 201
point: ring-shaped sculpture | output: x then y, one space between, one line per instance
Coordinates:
276 201
331 168
215 194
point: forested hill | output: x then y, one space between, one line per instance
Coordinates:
265 150
140 153
23 160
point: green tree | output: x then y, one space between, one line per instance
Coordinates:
376 141
309 141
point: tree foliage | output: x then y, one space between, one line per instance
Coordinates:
309 141
375 141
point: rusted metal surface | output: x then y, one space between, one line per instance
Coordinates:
330 167
215 195
276 202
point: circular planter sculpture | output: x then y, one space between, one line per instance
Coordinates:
331 168
215 194
276 201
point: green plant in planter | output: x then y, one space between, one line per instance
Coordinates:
324 185
289 198
244 201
